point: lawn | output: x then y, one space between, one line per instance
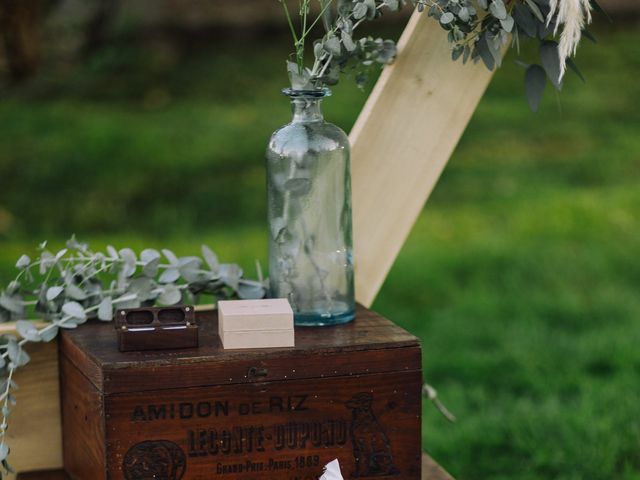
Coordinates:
521 276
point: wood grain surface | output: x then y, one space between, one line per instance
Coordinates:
35 432
361 346
351 392
402 141
430 471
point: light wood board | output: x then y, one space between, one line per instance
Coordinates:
35 432
402 141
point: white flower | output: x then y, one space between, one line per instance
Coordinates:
573 15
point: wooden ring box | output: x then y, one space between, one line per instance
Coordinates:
156 328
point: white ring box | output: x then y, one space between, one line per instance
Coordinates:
266 323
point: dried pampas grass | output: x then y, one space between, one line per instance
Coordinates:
573 15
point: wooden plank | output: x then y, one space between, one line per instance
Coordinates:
430 471
34 434
401 142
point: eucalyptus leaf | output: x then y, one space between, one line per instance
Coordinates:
129 261
467 54
524 19
210 258
74 292
278 228
249 290
105 309
190 269
498 9
74 310
587 34
483 50
13 288
23 262
74 244
17 355
46 260
170 295
28 330
572 65
392 5
463 14
359 10
113 253
150 268
544 30
187 264
170 275
535 80
550 60
170 256
68 323
142 288
327 14
148 255
11 303
230 274
535 10
371 8
298 186
49 333
507 23
132 301
299 80
4 450
54 292
347 41
446 18
332 45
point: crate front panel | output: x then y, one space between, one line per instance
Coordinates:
276 430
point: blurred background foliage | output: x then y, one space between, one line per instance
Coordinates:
144 123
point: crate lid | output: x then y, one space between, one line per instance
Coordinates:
370 344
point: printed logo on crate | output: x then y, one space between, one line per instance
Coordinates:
296 447
154 459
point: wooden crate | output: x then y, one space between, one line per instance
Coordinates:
430 471
350 392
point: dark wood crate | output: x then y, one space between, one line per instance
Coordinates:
430 471
350 392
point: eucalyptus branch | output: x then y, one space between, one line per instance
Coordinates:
325 8
477 30
75 285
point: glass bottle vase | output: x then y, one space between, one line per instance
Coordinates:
309 213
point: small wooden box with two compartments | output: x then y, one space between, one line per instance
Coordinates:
350 392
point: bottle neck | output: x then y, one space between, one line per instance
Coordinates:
306 110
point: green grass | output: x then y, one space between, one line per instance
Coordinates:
521 277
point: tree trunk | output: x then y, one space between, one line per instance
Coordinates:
20 22
98 27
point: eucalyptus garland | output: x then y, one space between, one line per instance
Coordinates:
73 285
478 30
